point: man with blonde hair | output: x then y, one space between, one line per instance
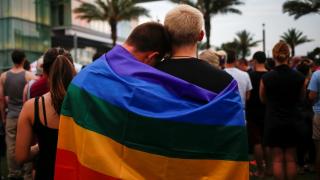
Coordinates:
222 154
185 27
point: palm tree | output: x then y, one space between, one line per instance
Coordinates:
298 8
230 46
112 11
294 38
245 42
210 8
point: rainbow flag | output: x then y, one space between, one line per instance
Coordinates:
122 119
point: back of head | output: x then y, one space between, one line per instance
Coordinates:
281 52
184 24
243 61
18 56
260 57
304 67
210 56
51 55
231 56
26 65
150 36
61 73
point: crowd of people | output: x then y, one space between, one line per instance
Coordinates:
279 97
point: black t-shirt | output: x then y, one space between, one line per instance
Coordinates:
197 72
283 88
255 108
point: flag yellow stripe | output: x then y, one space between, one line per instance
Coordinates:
102 154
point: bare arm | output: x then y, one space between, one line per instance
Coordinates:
262 92
2 98
30 76
313 95
248 93
24 152
25 92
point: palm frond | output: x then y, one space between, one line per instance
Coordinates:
89 12
298 8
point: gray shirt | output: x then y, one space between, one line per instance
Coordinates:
13 88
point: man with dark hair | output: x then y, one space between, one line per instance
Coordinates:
241 77
255 114
12 83
139 41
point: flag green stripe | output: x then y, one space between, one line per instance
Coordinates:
172 139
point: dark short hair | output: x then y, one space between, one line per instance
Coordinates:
150 36
26 65
231 56
260 57
18 56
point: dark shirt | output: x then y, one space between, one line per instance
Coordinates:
40 87
255 108
197 72
47 140
283 88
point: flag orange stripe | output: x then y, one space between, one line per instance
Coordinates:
122 162
69 168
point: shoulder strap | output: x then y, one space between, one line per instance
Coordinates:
44 111
36 110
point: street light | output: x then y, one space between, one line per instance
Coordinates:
263 38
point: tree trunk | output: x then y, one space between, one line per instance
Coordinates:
207 26
113 25
292 50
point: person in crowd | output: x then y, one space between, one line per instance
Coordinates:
314 96
255 113
270 64
281 90
211 57
26 65
305 149
41 86
222 58
40 116
241 77
243 65
183 62
12 83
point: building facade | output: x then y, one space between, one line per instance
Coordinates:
36 25
25 24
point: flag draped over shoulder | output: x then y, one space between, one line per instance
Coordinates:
122 119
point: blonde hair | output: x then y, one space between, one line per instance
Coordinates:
211 57
184 24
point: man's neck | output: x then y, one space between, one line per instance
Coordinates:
17 68
184 51
260 67
230 65
281 63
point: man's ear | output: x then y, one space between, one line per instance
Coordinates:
151 58
201 35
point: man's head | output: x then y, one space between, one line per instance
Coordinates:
281 52
184 24
148 42
259 57
231 57
18 57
